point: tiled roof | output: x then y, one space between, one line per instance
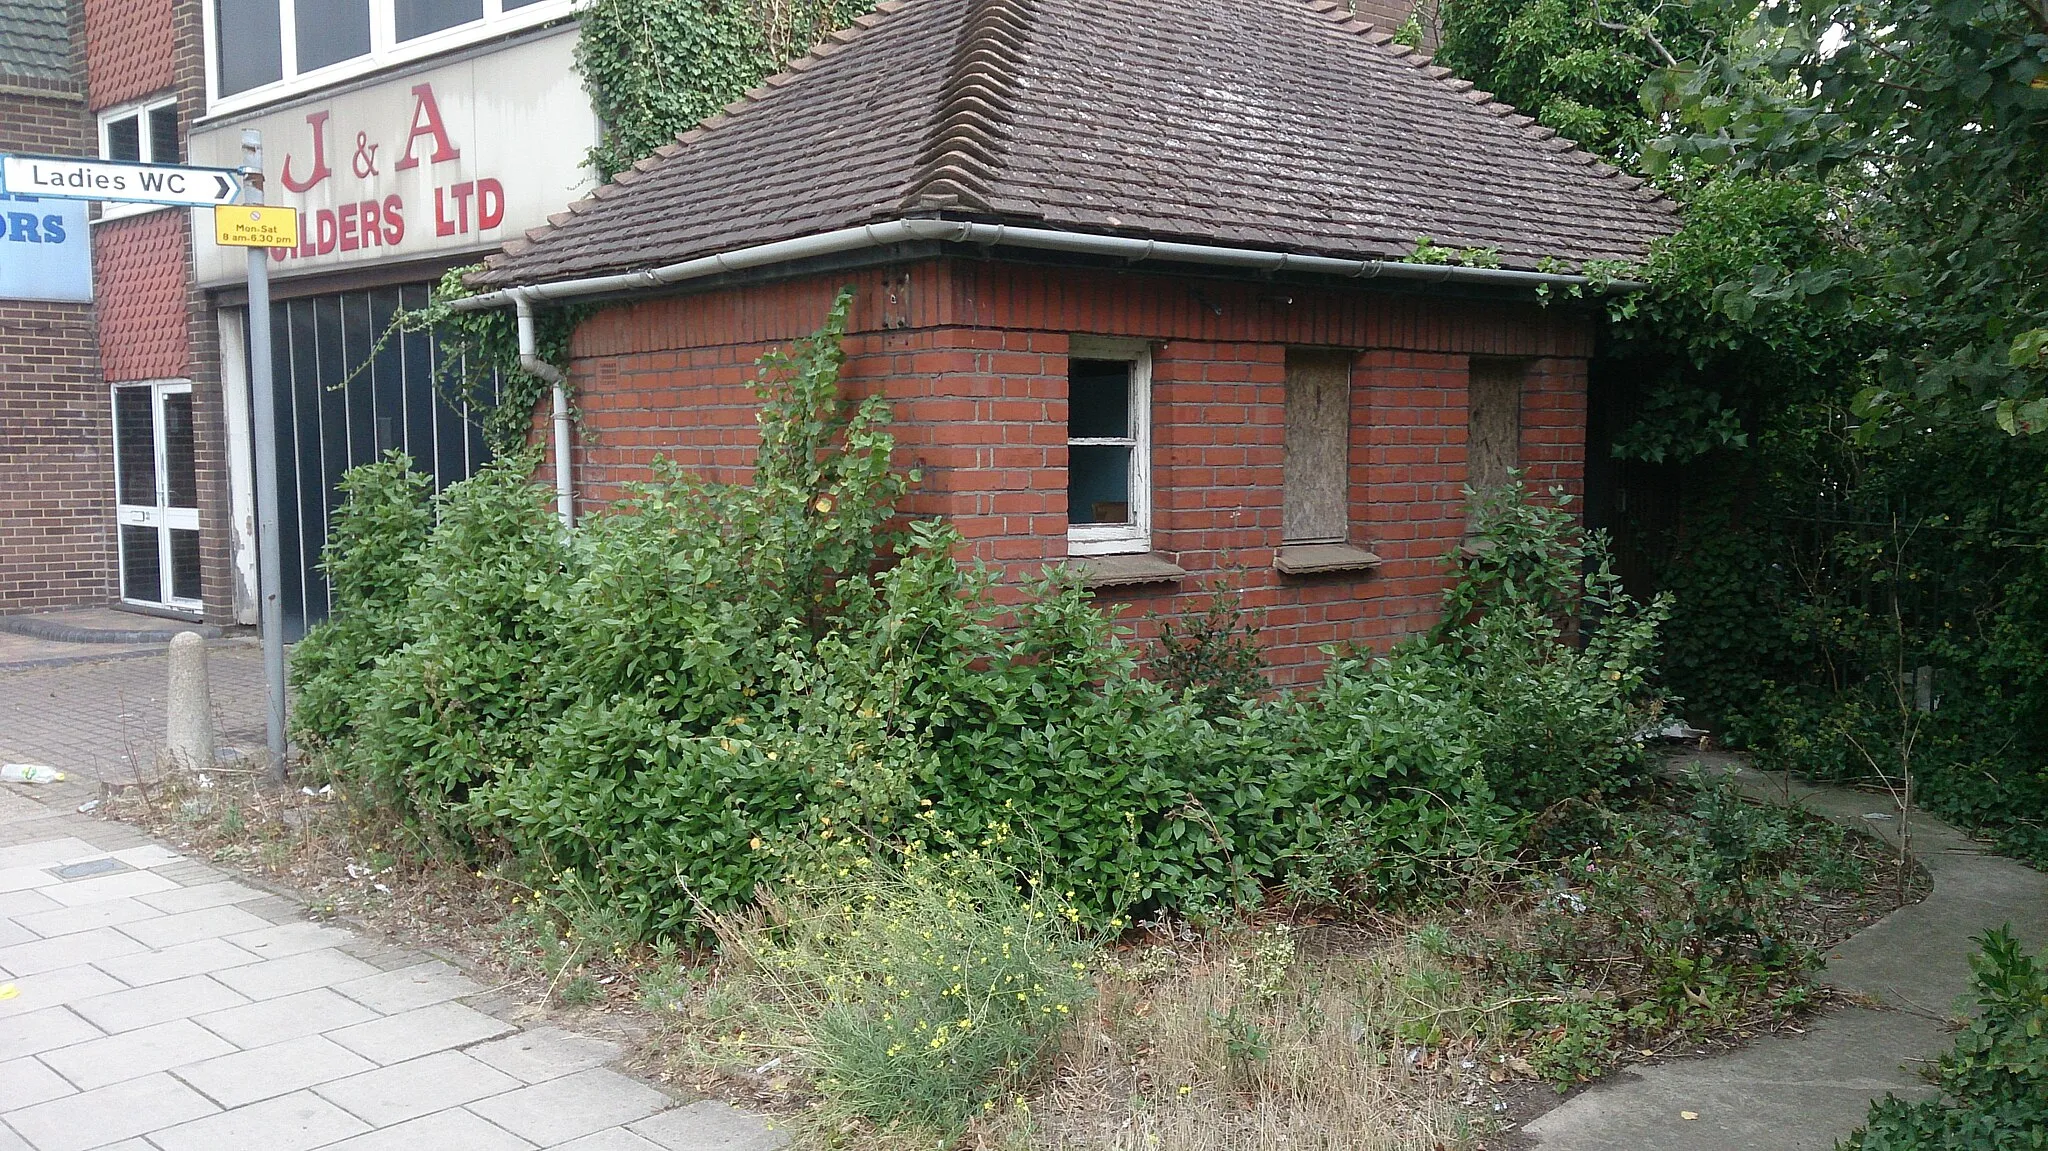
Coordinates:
35 40
1274 124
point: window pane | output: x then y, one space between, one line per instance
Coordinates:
1099 485
181 470
163 134
141 567
124 139
508 5
251 45
330 31
419 17
135 445
184 564
1098 400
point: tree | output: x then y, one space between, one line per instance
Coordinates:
1930 119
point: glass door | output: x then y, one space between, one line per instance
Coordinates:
157 479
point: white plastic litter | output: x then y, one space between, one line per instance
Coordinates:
30 773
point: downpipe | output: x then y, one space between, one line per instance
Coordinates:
533 365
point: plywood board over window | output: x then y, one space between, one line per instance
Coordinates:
1315 508
1493 438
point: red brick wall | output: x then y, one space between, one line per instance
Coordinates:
139 276
974 355
56 461
130 53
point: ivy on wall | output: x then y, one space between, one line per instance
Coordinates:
656 68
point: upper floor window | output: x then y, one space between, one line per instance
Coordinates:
145 133
267 48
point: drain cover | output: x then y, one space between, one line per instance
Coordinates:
89 868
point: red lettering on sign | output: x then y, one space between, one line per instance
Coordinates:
348 227
426 121
325 228
490 204
394 221
318 122
373 233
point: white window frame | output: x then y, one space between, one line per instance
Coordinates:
1135 537
160 515
386 50
139 110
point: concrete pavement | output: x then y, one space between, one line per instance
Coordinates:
1802 1092
149 1002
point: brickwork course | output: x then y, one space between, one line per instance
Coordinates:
56 462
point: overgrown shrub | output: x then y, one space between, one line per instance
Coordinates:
1556 655
1994 1084
919 987
371 559
710 688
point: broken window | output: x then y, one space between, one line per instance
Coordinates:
1109 447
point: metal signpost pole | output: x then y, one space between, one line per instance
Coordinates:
263 412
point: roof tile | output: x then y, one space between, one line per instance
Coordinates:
1278 124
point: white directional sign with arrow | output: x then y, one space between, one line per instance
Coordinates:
117 181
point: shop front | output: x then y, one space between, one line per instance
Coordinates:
397 180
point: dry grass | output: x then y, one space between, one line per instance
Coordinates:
1356 1037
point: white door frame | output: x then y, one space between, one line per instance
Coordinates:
160 515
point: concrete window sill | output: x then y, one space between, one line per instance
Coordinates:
1127 571
1316 559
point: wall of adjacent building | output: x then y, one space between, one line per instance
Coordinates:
56 491
973 355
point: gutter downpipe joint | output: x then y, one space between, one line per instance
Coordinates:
531 363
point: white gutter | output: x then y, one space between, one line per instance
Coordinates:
531 363
1006 235
957 232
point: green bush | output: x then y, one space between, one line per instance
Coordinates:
1556 656
708 689
1994 1084
467 698
371 559
920 987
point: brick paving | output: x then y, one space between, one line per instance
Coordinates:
103 720
150 1002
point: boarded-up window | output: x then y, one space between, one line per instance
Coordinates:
1493 440
1316 506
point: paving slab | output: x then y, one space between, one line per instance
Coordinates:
1803 1092
276 1069
572 1106
161 1005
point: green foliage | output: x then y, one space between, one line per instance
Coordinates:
655 68
1994 1083
920 988
1575 65
1929 116
1215 655
467 695
708 690
1686 907
371 559
1554 654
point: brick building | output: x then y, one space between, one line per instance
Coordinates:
412 136
56 511
1133 281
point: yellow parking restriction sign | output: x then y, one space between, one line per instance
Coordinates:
255 226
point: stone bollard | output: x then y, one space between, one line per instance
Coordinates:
189 743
